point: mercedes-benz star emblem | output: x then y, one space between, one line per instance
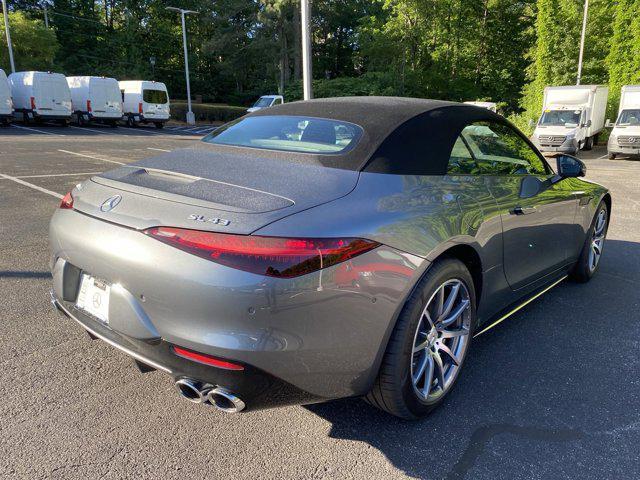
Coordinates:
110 203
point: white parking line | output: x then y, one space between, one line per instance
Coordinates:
141 130
91 130
602 157
30 185
58 175
39 131
91 156
158 149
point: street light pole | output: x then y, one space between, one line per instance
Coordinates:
5 12
191 119
46 15
584 33
305 14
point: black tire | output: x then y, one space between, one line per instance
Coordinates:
113 124
63 123
393 389
582 271
159 125
588 144
131 122
611 156
80 120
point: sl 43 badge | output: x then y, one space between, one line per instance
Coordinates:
201 218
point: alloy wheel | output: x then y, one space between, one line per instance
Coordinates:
441 340
597 239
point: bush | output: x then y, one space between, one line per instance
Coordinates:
205 112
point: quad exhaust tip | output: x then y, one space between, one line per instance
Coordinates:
199 392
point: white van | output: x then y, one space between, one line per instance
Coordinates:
493 106
6 105
625 136
572 117
40 96
144 102
95 99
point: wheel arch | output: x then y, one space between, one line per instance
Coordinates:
471 259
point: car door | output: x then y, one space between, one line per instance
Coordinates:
538 214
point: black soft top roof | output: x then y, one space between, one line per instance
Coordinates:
407 136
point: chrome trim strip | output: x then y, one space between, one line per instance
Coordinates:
522 305
131 353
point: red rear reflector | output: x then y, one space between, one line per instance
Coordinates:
89 106
206 359
33 103
67 201
140 107
271 256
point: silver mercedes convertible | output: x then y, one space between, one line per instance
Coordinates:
324 249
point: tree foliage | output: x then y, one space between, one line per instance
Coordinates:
34 47
506 51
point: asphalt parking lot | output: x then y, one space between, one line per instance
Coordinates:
552 393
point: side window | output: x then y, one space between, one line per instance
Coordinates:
461 162
499 150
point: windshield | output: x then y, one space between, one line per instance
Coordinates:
263 102
565 118
288 133
154 96
629 117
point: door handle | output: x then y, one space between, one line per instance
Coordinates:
524 210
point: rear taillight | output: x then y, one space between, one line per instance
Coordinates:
206 359
33 103
67 201
89 106
271 256
140 107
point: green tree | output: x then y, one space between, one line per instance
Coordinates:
623 61
34 47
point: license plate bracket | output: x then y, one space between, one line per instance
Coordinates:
93 297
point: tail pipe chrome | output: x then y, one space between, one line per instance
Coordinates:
193 390
199 392
224 400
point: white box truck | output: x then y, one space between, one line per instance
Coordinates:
41 96
6 105
95 99
144 102
625 136
572 117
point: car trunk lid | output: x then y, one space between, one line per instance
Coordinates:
209 188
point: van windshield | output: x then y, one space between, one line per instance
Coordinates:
288 133
629 117
263 102
154 96
564 118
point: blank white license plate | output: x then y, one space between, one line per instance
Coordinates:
93 297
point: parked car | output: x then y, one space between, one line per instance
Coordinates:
95 99
6 105
312 251
493 106
572 117
144 102
266 101
41 96
625 136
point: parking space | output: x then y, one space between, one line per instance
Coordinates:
551 393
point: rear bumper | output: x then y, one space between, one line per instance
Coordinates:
322 334
256 388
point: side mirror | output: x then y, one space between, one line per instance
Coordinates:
570 167
609 123
532 122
